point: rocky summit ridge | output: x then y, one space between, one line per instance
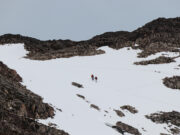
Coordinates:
156 36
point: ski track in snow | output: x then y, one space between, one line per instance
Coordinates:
120 83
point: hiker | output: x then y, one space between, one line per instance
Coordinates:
96 78
92 77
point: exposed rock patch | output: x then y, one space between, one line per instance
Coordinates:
129 108
51 49
119 113
159 60
175 130
95 107
172 82
81 96
158 36
106 111
125 128
12 124
9 73
168 118
77 85
52 125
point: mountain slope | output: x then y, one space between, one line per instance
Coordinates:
123 97
120 83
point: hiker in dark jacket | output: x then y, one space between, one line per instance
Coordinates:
96 78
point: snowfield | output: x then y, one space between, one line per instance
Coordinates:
120 82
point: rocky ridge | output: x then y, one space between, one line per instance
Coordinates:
19 107
157 36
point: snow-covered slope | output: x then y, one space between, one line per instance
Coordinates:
120 82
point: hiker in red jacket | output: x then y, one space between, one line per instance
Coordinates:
92 77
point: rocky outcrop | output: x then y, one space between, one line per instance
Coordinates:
21 101
159 60
119 113
9 73
51 49
175 131
168 118
125 128
95 107
78 50
20 107
156 36
129 108
172 82
81 96
159 35
12 124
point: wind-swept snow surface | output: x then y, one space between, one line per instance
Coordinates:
120 82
